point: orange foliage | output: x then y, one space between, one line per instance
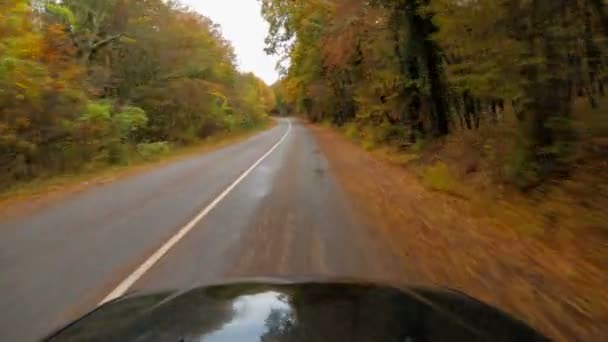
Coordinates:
352 24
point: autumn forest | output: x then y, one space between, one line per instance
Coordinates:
411 71
458 144
102 82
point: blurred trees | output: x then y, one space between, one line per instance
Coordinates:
413 70
96 80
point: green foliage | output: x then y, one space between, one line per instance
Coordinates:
352 131
89 82
97 113
522 169
129 120
528 166
410 71
118 153
63 13
152 151
439 178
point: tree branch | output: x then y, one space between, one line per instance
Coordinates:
104 42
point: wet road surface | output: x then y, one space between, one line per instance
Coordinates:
286 217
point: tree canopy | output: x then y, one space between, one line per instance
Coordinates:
411 70
97 80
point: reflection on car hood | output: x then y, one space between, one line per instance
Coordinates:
255 311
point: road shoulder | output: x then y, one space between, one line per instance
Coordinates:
447 241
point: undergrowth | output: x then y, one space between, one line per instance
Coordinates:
438 177
490 166
145 155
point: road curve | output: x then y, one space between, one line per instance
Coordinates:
285 216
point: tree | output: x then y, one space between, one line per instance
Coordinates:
90 82
407 70
88 22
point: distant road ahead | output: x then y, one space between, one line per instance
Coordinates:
268 206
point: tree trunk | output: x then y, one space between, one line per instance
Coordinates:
469 109
477 113
440 117
592 53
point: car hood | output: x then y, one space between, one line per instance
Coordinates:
310 311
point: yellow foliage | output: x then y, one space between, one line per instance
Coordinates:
438 177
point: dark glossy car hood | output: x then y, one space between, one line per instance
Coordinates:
255 311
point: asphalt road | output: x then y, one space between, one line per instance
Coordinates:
265 207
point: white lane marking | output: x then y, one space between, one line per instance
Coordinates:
124 286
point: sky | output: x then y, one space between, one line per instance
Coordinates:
242 24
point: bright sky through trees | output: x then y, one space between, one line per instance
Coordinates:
244 26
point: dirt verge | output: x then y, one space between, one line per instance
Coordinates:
554 284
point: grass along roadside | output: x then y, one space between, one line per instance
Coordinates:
42 190
472 166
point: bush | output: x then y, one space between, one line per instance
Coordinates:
118 153
521 168
373 136
388 132
151 151
368 144
97 112
351 130
129 120
438 177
